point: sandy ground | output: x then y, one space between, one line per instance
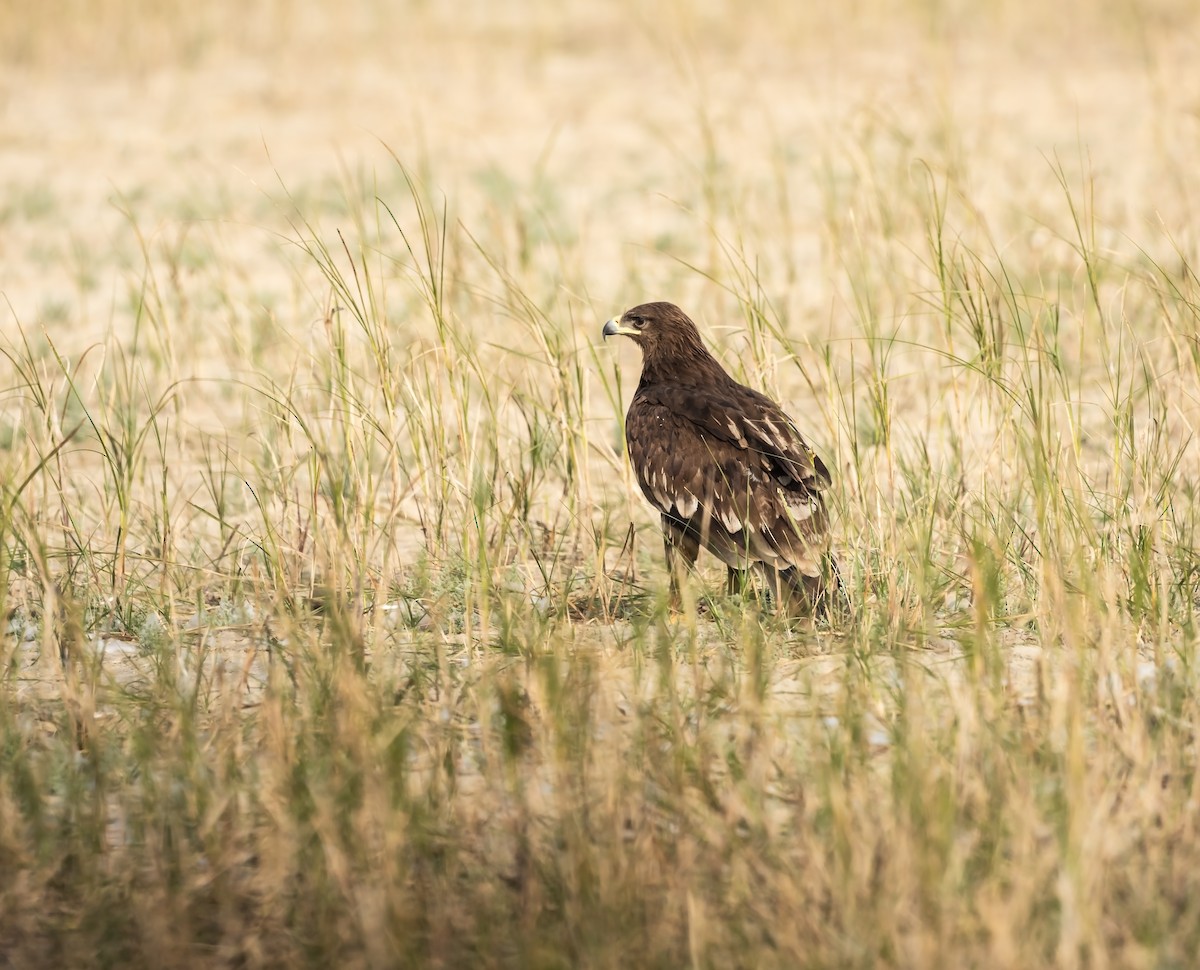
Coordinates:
201 122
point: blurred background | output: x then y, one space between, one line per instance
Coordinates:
622 136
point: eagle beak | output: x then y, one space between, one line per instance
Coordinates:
613 328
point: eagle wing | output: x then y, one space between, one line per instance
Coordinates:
729 467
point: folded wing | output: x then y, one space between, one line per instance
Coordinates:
729 467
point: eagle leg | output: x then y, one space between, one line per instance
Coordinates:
736 580
688 547
802 595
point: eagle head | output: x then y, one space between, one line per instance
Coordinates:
662 330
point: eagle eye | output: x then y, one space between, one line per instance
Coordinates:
638 322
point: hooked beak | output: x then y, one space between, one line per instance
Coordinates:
613 328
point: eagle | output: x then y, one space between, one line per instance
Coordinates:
724 466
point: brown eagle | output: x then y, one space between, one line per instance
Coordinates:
724 465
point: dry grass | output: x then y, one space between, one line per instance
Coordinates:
329 639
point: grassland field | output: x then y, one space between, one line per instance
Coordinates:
334 624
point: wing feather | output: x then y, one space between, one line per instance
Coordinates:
730 468
743 417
